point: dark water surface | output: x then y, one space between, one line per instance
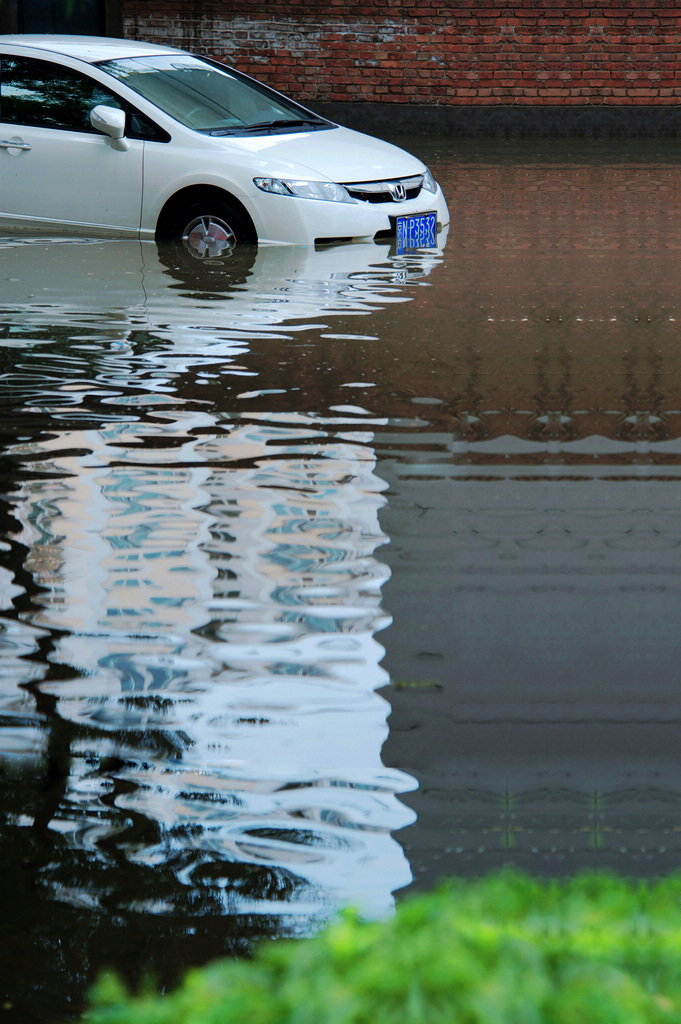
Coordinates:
323 574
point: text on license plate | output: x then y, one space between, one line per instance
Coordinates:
416 231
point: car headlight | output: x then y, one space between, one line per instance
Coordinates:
327 190
429 182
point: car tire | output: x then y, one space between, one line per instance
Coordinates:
209 228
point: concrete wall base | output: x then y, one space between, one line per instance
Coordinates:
506 120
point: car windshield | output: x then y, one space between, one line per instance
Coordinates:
210 98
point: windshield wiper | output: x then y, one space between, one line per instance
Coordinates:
285 123
265 126
278 125
222 131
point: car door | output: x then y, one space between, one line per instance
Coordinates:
55 168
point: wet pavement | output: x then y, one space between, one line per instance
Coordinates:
324 574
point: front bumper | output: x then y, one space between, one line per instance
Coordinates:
288 220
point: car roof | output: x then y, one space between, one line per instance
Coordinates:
88 48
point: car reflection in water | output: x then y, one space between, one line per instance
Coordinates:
204 588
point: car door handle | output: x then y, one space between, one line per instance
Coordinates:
14 144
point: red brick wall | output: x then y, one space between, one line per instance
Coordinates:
435 52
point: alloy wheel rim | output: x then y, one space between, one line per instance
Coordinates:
208 236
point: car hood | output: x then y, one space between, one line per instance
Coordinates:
339 154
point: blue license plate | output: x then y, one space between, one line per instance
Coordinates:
416 231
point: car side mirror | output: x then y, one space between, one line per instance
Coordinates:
110 121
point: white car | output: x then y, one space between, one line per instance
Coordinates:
117 137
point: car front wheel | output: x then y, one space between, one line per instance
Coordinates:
210 229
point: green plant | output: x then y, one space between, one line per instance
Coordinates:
503 949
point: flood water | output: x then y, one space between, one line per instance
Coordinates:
324 574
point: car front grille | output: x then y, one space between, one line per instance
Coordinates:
395 190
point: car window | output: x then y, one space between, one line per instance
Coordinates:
43 94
